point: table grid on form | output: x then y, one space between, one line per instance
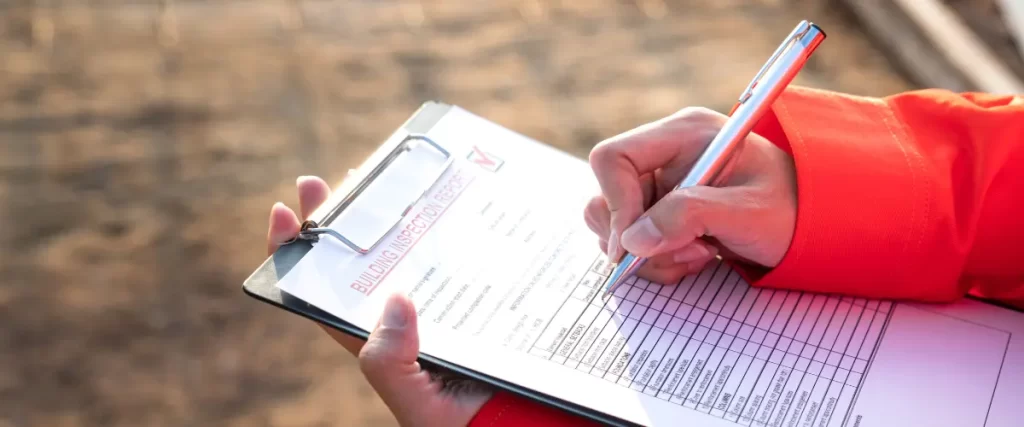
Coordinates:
757 357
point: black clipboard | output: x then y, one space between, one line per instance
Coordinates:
261 284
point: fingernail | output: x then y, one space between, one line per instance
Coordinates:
274 208
642 236
279 235
301 179
394 314
691 253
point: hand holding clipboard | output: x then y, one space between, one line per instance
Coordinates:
390 364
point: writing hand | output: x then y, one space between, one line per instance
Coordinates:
388 357
749 217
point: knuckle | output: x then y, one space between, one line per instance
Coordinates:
372 359
368 366
699 114
603 152
701 122
689 209
596 205
687 201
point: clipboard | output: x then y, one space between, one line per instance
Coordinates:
261 284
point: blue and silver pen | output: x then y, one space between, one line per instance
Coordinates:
763 90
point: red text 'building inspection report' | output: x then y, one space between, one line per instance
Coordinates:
506 278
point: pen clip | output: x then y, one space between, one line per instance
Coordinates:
801 29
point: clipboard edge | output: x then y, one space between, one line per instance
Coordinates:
436 364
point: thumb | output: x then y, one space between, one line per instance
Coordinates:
388 359
687 214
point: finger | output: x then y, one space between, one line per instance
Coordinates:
690 213
671 143
598 217
664 275
697 250
672 274
388 358
723 251
283 226
649 185
313 192
698 266
593 226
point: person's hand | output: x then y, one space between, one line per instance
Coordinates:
388 357
749 217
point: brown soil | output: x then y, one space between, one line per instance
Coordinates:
141 150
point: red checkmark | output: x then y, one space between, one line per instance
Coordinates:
482 159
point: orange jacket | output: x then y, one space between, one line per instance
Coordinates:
916 196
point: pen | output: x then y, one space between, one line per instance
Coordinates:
763 90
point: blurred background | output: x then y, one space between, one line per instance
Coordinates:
143 142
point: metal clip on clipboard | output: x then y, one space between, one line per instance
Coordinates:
311 230
390 160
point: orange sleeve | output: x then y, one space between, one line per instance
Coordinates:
908 197
506 409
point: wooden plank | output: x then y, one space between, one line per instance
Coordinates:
933 46
905 45
961 46
1013 14
985 19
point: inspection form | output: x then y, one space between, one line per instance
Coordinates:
506 278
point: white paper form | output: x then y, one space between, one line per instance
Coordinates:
506 279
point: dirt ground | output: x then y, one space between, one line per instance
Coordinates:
141 148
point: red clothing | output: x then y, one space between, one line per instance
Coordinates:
914 196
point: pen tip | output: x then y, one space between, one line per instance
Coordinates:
607 287
621 272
